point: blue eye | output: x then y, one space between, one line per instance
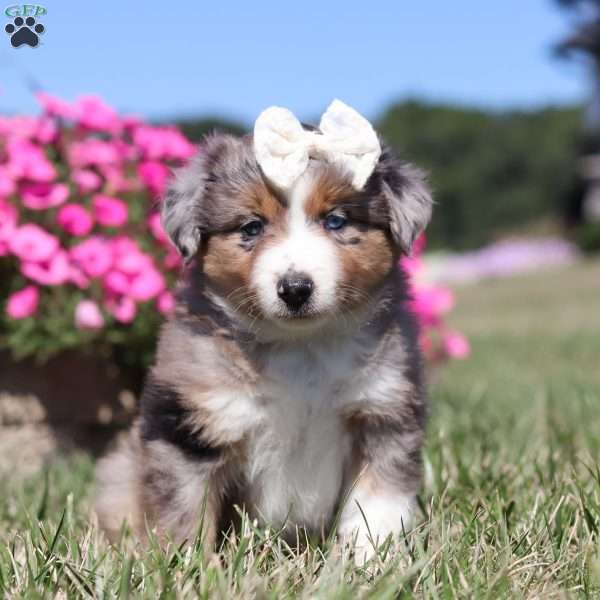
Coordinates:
333 222
253 228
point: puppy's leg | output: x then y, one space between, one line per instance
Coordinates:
118 483
154 486
165 477
184 477
181 496
388 475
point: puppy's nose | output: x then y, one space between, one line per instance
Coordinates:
295 289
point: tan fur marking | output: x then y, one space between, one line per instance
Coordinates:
265 204
330 188
227 263
364 263
367 254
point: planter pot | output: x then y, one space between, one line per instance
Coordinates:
82 399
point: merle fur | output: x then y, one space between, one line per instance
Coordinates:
163 417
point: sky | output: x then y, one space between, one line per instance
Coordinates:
232 59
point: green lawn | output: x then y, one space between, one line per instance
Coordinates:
510 507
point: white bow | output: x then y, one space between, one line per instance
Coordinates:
283 148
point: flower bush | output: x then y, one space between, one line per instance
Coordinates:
84 260
431 303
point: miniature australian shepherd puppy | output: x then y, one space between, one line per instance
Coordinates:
288 382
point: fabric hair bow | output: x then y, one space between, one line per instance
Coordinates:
283 147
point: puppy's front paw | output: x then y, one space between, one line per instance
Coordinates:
368 521
357 544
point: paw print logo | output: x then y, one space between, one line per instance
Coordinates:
24 31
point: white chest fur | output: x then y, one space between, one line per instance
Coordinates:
298 451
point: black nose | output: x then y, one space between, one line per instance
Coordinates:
295 290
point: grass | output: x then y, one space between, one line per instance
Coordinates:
510 507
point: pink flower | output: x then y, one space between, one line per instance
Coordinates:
46 130
32 243
94 256
456 345
55 106
123 309
8 225
126 150
75 219
132 261
109 211
4 251
88 315
173 259
148 284
8 220
156 228
41 129
18 126
37 129
23 303
7 182
93 152
411 265
86 180
43 195
162 143
419 245
28 161
430 303
134 273
78 277
123 245
116 283
54 271
115 179
165 303
93 113
154 175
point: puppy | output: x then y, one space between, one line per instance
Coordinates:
289 380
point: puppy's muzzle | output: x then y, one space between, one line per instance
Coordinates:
295 289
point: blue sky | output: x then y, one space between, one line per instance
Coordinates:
233 59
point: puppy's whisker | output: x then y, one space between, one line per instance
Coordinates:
235 291
361 294
250 300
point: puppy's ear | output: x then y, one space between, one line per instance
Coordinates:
193 204
408 197
181 208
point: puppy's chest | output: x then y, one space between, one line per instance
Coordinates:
299 449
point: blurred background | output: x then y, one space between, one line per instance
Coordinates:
500 102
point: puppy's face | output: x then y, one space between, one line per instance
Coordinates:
321 249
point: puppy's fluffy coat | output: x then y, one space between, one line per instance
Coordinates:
289 380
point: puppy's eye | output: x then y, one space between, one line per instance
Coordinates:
334 221
252 228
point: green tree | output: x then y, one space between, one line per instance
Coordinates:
196 129
490 171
